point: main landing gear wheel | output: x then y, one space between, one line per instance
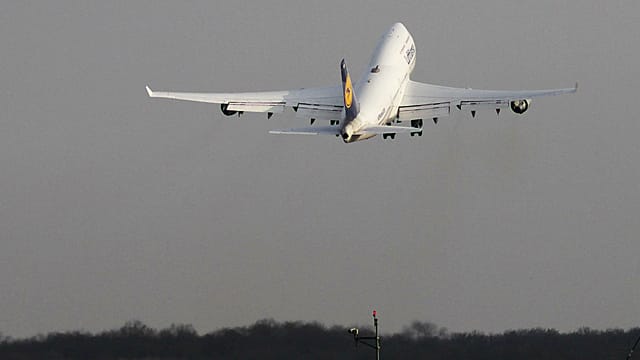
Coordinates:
417 123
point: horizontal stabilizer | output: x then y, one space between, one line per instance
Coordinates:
388 130
312 130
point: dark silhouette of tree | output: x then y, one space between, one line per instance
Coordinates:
423 329
268 339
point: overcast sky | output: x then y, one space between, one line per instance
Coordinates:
114 206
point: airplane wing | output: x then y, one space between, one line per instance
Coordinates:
323 103
310 130
423 101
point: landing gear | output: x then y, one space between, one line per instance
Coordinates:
417 123
335 122
391 135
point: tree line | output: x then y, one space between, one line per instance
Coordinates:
268 339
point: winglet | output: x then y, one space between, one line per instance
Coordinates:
576 87
149 91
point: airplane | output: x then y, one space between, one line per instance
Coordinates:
377 104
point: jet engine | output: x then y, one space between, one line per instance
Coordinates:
226 112
520 106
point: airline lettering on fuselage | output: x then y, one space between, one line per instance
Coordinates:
410 54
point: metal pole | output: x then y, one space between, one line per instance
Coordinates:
366 340
375 324
633 349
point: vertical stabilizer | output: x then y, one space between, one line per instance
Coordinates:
351 105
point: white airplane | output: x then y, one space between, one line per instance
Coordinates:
383 96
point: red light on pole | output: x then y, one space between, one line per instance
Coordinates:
375 313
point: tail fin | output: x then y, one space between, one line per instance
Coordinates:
351 105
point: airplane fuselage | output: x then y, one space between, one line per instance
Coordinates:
381 88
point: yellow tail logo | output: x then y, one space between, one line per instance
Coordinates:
348 93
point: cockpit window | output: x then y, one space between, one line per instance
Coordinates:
376 69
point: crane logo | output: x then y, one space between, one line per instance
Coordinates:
348 93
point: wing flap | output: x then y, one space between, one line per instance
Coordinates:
319 111
273 107
424 111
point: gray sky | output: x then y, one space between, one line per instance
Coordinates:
114 206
